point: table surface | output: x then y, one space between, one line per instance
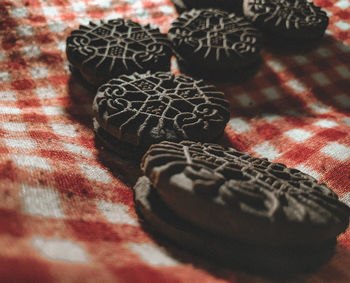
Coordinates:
66 210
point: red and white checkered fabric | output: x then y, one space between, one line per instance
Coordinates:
64 217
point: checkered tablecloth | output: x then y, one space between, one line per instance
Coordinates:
66 213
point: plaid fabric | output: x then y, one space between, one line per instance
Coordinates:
65 213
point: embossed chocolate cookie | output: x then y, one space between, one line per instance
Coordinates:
108 49
281 261
143 109
214 41
246 198
297 20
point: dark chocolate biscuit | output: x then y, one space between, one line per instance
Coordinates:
143 109
243 197
214 41
298 20
108 49
251 257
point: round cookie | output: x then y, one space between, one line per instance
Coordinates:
227 252
299 21
246 198
108 49
143 109
214 41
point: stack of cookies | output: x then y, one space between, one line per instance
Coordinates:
133 112
289 23
218 202
237 209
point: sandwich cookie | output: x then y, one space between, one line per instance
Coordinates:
241 197
142 109
285 21
214 43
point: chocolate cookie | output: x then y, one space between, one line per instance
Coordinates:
237 254
246 198
108 49
298 20
143 109
214 41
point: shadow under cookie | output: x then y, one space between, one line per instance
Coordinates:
229 6
222 76
281 45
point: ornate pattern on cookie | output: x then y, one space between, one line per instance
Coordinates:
108 49
244 185
215 38
143 109
122 149
295 18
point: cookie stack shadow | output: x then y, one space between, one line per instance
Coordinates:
239 211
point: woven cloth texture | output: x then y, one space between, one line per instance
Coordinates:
66 211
